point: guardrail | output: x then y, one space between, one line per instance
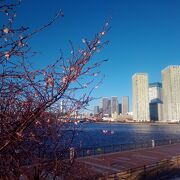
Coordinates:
122 147
165 169
73 152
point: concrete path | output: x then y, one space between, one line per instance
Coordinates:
121 161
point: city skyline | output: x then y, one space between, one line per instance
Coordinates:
157 101
139 39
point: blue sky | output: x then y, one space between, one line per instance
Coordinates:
145 36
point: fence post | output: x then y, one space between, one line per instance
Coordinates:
153 143
83 152
157 169
144 170
170 141
71 154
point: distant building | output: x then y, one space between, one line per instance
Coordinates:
155 100
125 105
114 105
120 108
155 92
96 110
109 107
155 109
62 107
171 93
140 97
106 107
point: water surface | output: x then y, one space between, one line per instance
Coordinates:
102 134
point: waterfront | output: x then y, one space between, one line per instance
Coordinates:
105 134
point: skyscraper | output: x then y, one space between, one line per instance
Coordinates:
106 107
140 97
155 92
171 93
155 100
96 110
120 108
62 107
114 105
109 107
125 105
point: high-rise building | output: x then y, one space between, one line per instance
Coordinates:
109 107
114 105
125 105
62 107
96 110
155 100
171 93
155 92
155 109
120 108
106 107
140 97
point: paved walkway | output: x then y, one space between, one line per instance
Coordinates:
121 161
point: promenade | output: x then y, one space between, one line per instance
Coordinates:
122 164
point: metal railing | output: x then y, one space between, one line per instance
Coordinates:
165 169
123 147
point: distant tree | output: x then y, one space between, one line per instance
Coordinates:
34 138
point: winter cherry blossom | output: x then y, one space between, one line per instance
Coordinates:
72 68
21 44
6 30
83 40
102 33
106 24
10 19
37 122
7 55
85 85
64 80
50 81
44 73
19 134
94 74
30 98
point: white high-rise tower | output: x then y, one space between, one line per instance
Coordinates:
125 105
114 105
140 97
171 93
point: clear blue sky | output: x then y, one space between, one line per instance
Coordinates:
145 35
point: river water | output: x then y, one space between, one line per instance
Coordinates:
104 134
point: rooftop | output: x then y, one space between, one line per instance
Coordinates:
155 84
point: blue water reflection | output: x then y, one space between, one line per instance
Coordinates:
102 134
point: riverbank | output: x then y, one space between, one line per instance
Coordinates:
139 123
